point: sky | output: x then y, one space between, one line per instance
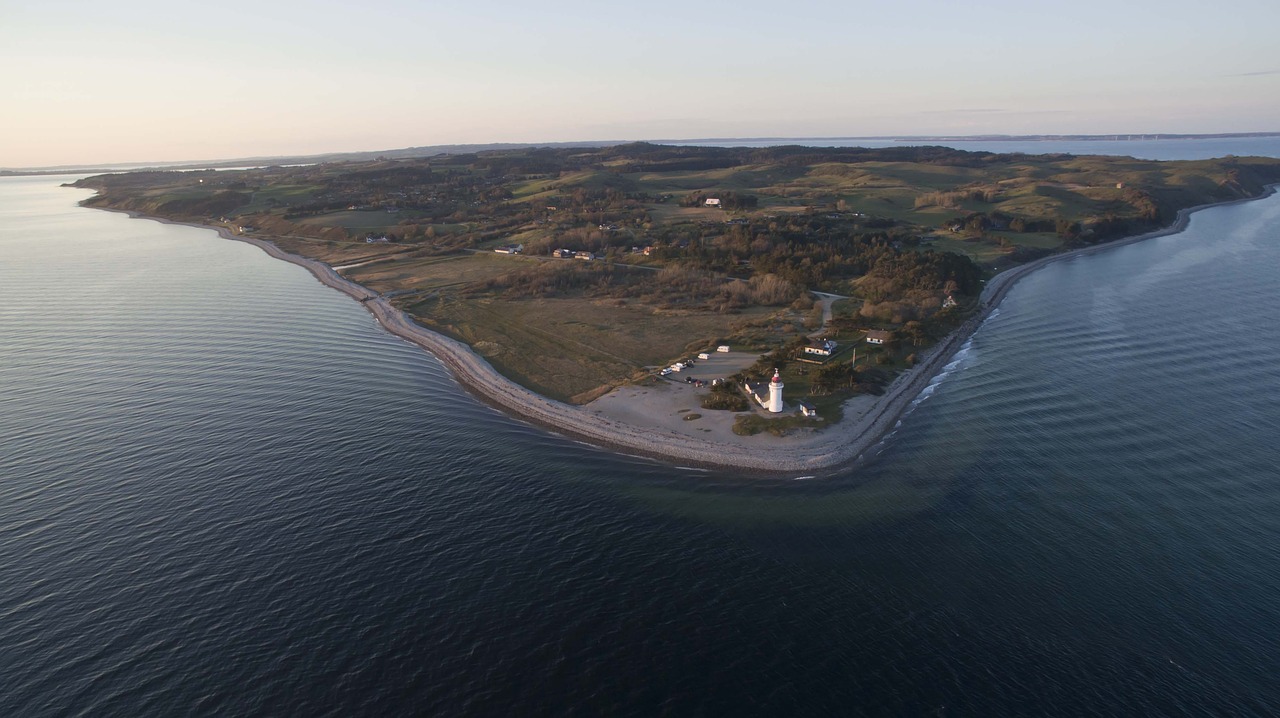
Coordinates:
137 81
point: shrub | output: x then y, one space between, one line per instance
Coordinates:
724 397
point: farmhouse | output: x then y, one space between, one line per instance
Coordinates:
818 350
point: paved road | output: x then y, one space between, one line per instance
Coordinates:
826 300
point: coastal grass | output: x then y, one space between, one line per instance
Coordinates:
333 252
432 273
753 423
571 349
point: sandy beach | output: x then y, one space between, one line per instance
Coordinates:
628 426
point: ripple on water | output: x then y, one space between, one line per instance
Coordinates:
224 489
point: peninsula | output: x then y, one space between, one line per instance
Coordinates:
634 295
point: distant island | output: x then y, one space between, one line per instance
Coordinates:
645 296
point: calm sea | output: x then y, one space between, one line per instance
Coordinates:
224 490
1128 145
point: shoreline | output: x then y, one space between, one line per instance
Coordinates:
841 445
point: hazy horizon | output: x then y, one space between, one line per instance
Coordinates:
1122 137
138 81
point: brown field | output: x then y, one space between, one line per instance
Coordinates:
433 273
671 213
575 349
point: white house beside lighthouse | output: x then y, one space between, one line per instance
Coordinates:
775 393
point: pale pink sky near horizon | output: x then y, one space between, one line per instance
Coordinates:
150 82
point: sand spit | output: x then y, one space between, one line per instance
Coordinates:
838 445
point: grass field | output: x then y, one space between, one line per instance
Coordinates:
426 274
567 348
979 251
672 213
269 198
573 349
367 220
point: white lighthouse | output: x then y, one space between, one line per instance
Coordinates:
775 393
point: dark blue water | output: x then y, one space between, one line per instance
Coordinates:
224 490
1123 145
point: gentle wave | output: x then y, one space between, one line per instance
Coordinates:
224 489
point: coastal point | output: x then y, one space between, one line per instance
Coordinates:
695 328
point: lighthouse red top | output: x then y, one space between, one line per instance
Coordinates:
776 379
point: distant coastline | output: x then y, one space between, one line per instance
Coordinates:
429 150
840 445
1113 137
1110 137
